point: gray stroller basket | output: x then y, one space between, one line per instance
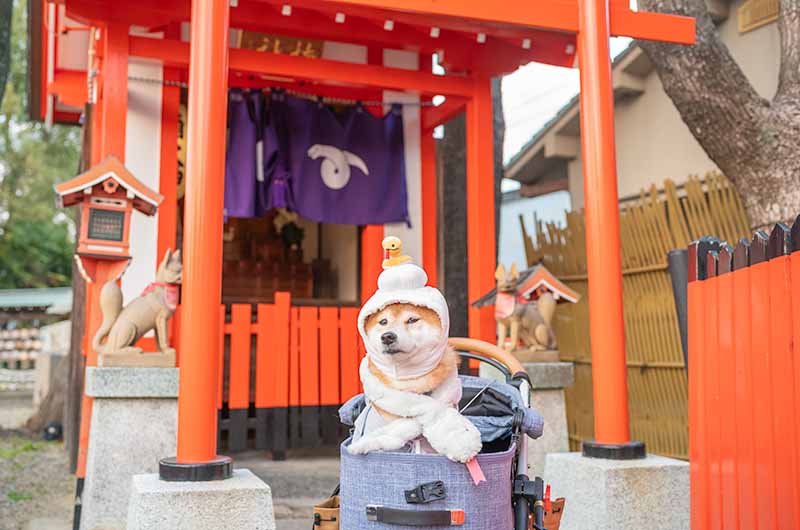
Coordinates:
404 491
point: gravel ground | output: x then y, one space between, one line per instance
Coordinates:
34 481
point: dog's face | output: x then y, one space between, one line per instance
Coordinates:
400 332
506 282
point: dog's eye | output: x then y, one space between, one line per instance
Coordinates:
383 322
411 320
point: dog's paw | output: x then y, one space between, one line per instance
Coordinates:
454 436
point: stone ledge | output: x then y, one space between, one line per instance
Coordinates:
651 493
242 502
550 375
123 382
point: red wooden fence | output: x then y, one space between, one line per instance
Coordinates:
744 382
284 371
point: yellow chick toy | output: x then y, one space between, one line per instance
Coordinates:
392 247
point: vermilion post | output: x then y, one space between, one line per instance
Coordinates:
202 234
603 261
481 253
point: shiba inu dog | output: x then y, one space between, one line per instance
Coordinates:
410 374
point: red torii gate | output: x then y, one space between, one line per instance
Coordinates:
511 32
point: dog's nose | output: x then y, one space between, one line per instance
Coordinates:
390 337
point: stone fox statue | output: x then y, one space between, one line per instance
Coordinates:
151 310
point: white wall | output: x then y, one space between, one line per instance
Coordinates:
547 208
143 159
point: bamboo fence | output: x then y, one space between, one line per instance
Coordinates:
658 221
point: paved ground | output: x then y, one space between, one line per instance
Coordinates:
297 483
37 491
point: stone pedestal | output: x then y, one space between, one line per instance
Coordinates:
547 397
242 502
651 493
134 423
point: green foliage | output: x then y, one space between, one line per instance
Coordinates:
35 237
5 42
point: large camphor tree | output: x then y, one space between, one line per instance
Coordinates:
755 141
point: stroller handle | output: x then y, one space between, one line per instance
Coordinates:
488 350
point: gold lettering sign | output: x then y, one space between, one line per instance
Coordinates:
266 42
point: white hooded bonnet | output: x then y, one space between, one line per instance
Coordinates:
406 283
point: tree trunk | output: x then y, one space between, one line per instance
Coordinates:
51 409
499 138
451 154
753 140
75 360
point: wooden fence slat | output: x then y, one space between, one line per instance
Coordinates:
783 414
221 360
746 419
239 376
727 395
795 297
696 292
265 352
762 378
295 418
712 403
239 379
350 344
309 375
281 366
329 373
329 355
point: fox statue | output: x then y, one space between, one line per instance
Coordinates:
123 326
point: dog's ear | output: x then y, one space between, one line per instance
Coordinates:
176 256
500 273
513 272
167 256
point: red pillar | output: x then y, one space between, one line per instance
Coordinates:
108 138
603 261
202 233
480 208
429 203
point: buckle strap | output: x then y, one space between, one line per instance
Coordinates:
415 518
425 493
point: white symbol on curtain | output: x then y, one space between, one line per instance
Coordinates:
335 168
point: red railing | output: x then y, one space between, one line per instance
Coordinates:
284 371
744 382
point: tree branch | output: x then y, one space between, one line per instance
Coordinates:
789 28
714 97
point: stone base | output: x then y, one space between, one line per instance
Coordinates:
242 502
140 360
529 355
548 381
651 493
134 424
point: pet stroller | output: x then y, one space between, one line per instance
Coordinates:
403 491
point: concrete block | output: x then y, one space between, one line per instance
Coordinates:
242 502
555 438
547 397
47 363
129 434
126 382
550 375
651 493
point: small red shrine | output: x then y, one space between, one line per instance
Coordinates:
107 195
123 67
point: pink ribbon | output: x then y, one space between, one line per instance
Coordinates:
475 471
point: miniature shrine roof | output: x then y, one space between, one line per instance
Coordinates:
70 191
529 281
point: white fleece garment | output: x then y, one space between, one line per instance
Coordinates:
433 416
